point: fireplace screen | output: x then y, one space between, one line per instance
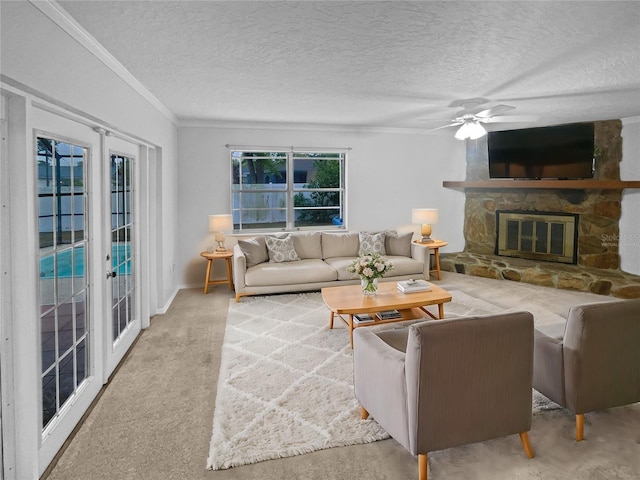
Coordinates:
538 236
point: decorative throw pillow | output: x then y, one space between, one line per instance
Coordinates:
398 243
371 243
281 249
255 250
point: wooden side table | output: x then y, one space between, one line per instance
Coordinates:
435 246
211 256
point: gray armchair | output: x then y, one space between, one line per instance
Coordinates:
443 383
591 362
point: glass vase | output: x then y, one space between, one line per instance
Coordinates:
369 286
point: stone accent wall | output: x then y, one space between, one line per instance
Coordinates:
599 213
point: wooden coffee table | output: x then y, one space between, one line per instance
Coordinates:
349 300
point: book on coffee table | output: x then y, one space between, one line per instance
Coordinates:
408 286
363 318
389 315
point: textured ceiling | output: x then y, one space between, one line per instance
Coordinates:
375 64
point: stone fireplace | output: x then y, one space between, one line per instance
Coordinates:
594 264
551 237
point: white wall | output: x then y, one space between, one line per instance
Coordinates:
41 58
387 175
629 221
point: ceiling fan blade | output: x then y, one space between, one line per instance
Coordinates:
510 119
454 124
494 110
436 120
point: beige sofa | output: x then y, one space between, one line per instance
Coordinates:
322 260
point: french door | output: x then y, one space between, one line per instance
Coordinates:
88 282
66 160
123 291
63 231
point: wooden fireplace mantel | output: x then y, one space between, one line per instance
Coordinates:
531 184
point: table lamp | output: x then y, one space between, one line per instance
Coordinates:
219 224
425 217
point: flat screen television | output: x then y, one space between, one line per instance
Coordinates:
559 152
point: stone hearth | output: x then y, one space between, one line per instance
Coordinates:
571 277
598 261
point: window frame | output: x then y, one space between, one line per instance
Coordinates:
291 154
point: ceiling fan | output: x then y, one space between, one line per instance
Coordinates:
470 122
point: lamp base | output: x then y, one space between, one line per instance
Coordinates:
426 240
219 236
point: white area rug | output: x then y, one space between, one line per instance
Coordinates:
285 384
286 380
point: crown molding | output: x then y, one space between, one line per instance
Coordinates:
67 23
314 127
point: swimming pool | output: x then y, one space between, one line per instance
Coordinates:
71 262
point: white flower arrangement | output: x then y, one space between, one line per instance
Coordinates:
369 267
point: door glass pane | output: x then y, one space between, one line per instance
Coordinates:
66 383
542 230
63 281
65 327
122 241
46 181
49 396
48 339
82 359
79 269
80 314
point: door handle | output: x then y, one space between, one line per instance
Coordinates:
112 274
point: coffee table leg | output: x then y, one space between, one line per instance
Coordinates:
331 314
441 310
351 331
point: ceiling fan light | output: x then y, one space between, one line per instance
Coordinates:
476 130
464 131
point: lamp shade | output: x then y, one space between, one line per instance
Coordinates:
424 215
220 223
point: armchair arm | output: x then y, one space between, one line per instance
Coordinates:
379 381
548 367
239 268
423 254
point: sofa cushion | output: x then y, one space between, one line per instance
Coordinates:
342 244
290 273
371 243
404 266
281 249
340 264
308 244
398 243
255 250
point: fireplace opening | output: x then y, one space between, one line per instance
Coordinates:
548 236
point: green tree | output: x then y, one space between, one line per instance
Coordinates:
258 164
327 175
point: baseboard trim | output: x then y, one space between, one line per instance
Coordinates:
167 305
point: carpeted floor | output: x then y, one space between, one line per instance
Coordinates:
154 419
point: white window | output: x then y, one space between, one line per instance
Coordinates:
287 190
